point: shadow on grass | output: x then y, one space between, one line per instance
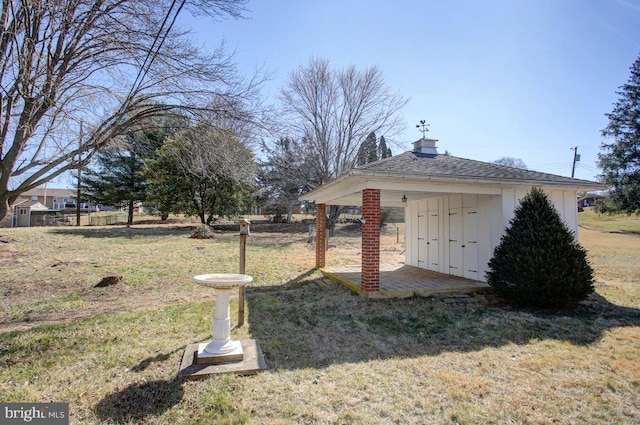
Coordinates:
120 231
615 232
313 323
626 232
158 358
140 400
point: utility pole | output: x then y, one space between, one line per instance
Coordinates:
79 176
576 158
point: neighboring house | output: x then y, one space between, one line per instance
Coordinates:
39 206
589 199
456 209
55 199
11 219
25 214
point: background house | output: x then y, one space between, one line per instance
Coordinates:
42 206
589 199
55 199
25 213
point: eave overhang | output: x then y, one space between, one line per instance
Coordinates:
347 190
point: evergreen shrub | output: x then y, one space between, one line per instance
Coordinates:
538 262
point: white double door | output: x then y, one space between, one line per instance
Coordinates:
428 240
463 242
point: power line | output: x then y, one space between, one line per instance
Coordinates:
153 51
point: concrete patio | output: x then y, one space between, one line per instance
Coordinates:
402 281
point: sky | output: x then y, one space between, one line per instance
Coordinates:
528 79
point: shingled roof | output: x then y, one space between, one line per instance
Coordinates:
446 167
423 173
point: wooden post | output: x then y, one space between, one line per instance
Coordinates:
79 178
241 289
244 232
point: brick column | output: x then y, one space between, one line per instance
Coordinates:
321 234
371 240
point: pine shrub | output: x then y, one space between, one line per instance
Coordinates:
538 262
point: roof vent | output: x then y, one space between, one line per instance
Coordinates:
425 146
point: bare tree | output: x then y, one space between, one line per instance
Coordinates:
285 174
511 162
109 64
335 110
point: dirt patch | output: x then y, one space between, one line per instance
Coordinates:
6 239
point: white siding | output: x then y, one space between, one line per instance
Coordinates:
410 234
483 231
489 230
567 206
493 213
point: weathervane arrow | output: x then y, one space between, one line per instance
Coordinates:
423 128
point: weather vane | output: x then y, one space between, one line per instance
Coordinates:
423 128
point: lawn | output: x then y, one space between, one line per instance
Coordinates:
333 357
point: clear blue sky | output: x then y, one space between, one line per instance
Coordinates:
524 78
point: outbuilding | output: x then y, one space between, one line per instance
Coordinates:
456 209
24 212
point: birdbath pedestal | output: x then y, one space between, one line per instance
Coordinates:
221 349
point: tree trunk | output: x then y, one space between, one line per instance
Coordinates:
334 213
5 204
290 208
200 208
4 207
130 215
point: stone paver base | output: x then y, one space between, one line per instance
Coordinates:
252 362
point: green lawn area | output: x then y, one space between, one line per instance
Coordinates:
333 357
610 223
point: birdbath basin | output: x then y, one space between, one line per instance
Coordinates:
221 349
222 280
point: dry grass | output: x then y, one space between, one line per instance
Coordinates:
333 357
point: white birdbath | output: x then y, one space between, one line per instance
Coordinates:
221 349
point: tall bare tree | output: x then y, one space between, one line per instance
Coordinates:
109 64
335 110
511 162
285 174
